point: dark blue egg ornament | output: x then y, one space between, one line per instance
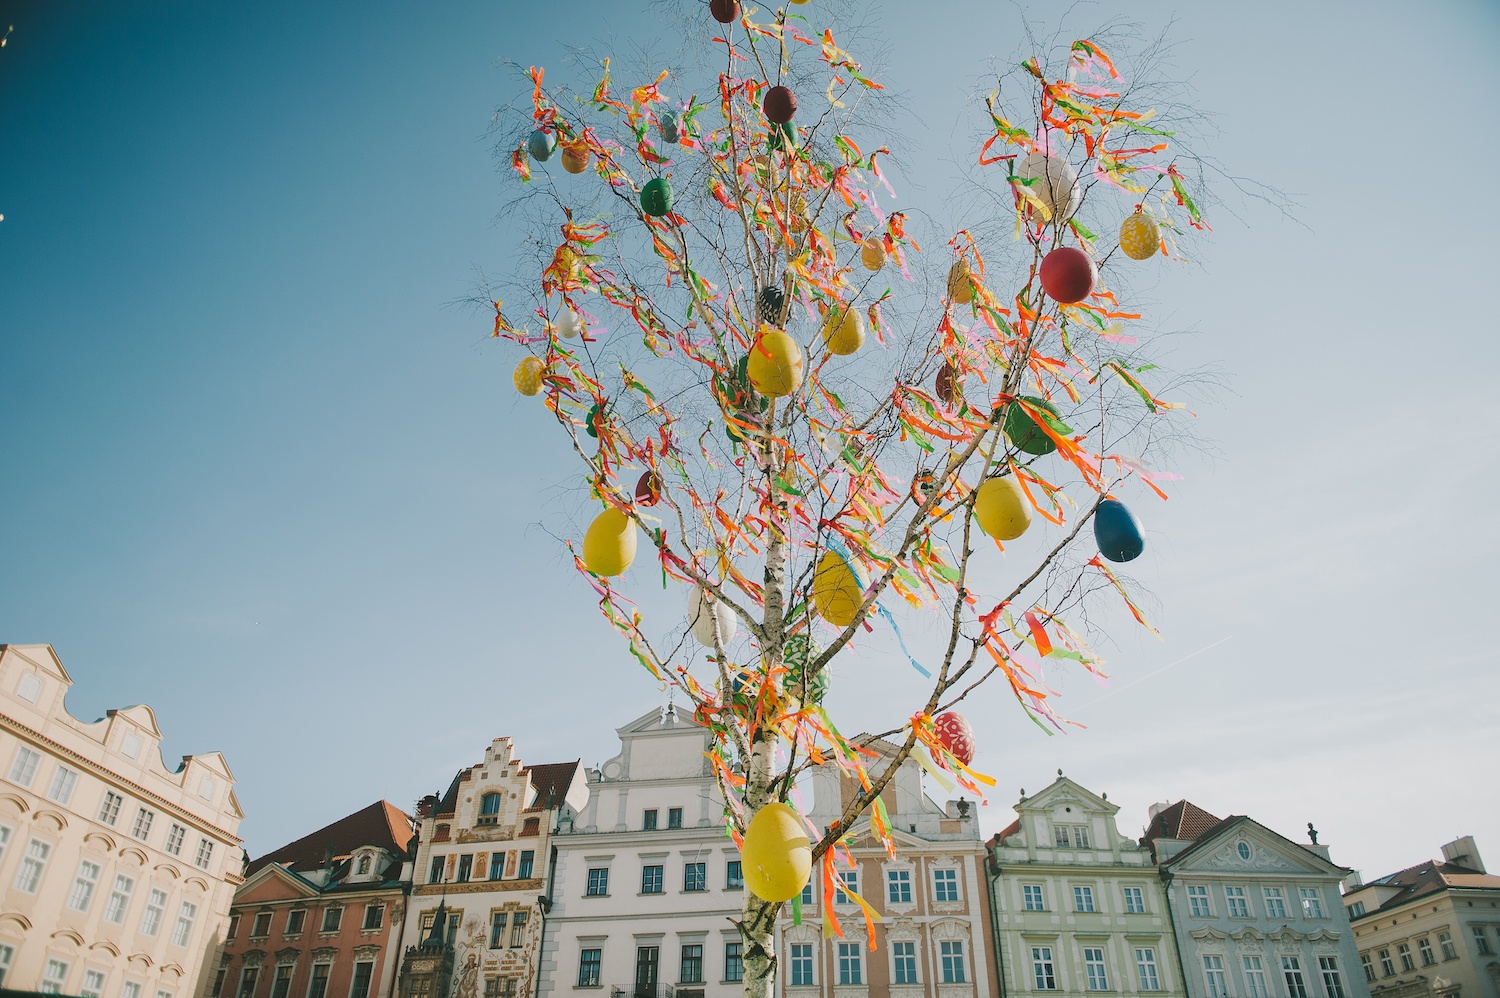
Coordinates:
1118 533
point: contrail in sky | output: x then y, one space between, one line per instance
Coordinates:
1158 672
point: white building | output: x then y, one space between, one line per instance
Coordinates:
117 872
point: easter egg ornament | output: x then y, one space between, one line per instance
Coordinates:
960 283
838 590
569 324
955 735
843 330
1023 432
575 156
777 856
770 303
1001 508
705 614
725 11
872 253
775 366
540 145
779 105
1140 238
528 375
948 384
671 127
648 489
797 656
1118 533
593 419
656 197
1054 182
1068 275
609 544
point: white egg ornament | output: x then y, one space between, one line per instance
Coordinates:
569 324
1055 183
704 613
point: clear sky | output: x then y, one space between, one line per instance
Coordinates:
261 474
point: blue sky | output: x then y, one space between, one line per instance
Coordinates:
263 475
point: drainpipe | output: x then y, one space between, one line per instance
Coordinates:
1166 879
401 935
544 904
993 868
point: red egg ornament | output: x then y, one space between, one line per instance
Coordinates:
648 489
779 105
724 11
955 735
1068 275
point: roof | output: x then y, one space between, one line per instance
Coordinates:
1428 878
1005 833
381 824
1184 821
551 781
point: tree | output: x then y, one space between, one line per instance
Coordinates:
793 476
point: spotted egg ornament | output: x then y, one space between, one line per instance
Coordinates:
1053 182
1140 237
770 303
540 145
954 734
724 11
1118 532
1068 275
798 654
872 253
779 105
528 375
708 616
656 197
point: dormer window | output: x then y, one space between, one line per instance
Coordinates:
489 809
364 865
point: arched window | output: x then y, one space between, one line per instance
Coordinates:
489 808
364 865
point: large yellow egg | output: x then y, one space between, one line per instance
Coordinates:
609 545
1139 237
575 158
960 288
838 590
1001 508
528 375
777 857
843 330
872 253
775 363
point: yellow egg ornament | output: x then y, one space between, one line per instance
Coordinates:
838 590
872 253
1001 508
960 284
775 363
528 375
609 545
843 330
1140 237
777 855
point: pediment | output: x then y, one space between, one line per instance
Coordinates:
105 946
55 820
1063 791
14 802
1267 851
134 855
273 883
1209 932
67 937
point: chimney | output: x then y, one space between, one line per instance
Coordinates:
1353 882
1156 809
1463 852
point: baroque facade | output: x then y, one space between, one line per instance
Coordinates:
1431 929
117 871
320 917
1078 907
480 874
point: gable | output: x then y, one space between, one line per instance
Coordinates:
1064 793
1219 852
270 884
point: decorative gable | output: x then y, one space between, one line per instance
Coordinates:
1246 847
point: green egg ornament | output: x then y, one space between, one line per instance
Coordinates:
656 197
1026 435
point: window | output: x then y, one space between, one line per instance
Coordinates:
282 985
674 818
734 875
1213 973
1333 982
7 953
435 871
850 971
1243 849
489 809
951 952
1032 895
63 782
1145 968
1255 978
29 688
802 965
1291 969
695 876
363 971
945 885
598 882
1312 902
1083 899
1387 968
23 769
648 820
905 957
83 886
29 876
1450 952
1424 946
295 919
1481 941
109 811
156 906
807 894
849 879
333 917
692 959
523 869
590 967
1042 969
465 868
119 900
1071 836
898 886
374 916
1368 965
205 854
734 962
319 986
218 988
142 827
247 985
93 984
262 924
651 879
364 865
185 915
1135 901
1275 903
175 834
53 978
1239 905
497 929
1093 964
1403 952
1356 909
517 929
1198 904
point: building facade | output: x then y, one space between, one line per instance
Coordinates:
1431 929
483 859
320 917
1078 907
934 933
1255 914
117 872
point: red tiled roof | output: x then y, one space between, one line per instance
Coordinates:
1005 833
1184 820
381 824
551 781
1429 878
